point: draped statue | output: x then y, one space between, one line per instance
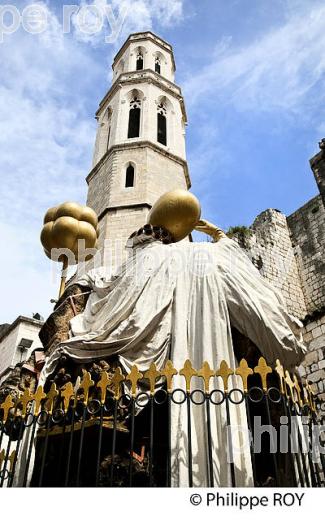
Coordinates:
178 300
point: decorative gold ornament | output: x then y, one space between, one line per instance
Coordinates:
38 398
6 406
188 372
280 371
311 396
134 377
102 385
67 393
116 381
263 370
206 373
64 227
86 384
169 372
177 211
2 458
152 374
51 396
12 460
224 372
24 400
298 390
290 384
244 371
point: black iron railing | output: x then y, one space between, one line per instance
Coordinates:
116 431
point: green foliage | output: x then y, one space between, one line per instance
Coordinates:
242 232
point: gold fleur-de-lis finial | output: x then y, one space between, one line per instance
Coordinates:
290 385
12 460
24 400
2 458
188 372
102 385
298 390
51 396
224 372
38 398
263 370
311 396
244 371
206 373
152 374
67 393
134 376
117 379
280 371
86 384
6 406
169 372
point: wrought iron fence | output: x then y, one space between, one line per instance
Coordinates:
116 431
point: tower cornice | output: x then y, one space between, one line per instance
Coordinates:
144 76
145 36
139 144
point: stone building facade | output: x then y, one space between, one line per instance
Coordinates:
289 252
17 343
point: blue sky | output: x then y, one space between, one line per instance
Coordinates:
252 73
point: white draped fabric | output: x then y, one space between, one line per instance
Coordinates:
178 302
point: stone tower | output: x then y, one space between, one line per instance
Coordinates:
140 143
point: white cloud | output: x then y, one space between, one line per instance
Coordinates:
47 136
278 71
124 17
46 141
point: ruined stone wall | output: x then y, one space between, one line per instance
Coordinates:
269 246
307 229
289 253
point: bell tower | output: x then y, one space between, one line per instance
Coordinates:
140 144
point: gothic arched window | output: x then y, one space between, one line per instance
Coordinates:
129 176
162 124
139 61
158 65
134 118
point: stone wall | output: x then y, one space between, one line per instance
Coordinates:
269 246
307 229
289 252
313 366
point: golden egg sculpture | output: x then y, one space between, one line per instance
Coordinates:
178 211
64 226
